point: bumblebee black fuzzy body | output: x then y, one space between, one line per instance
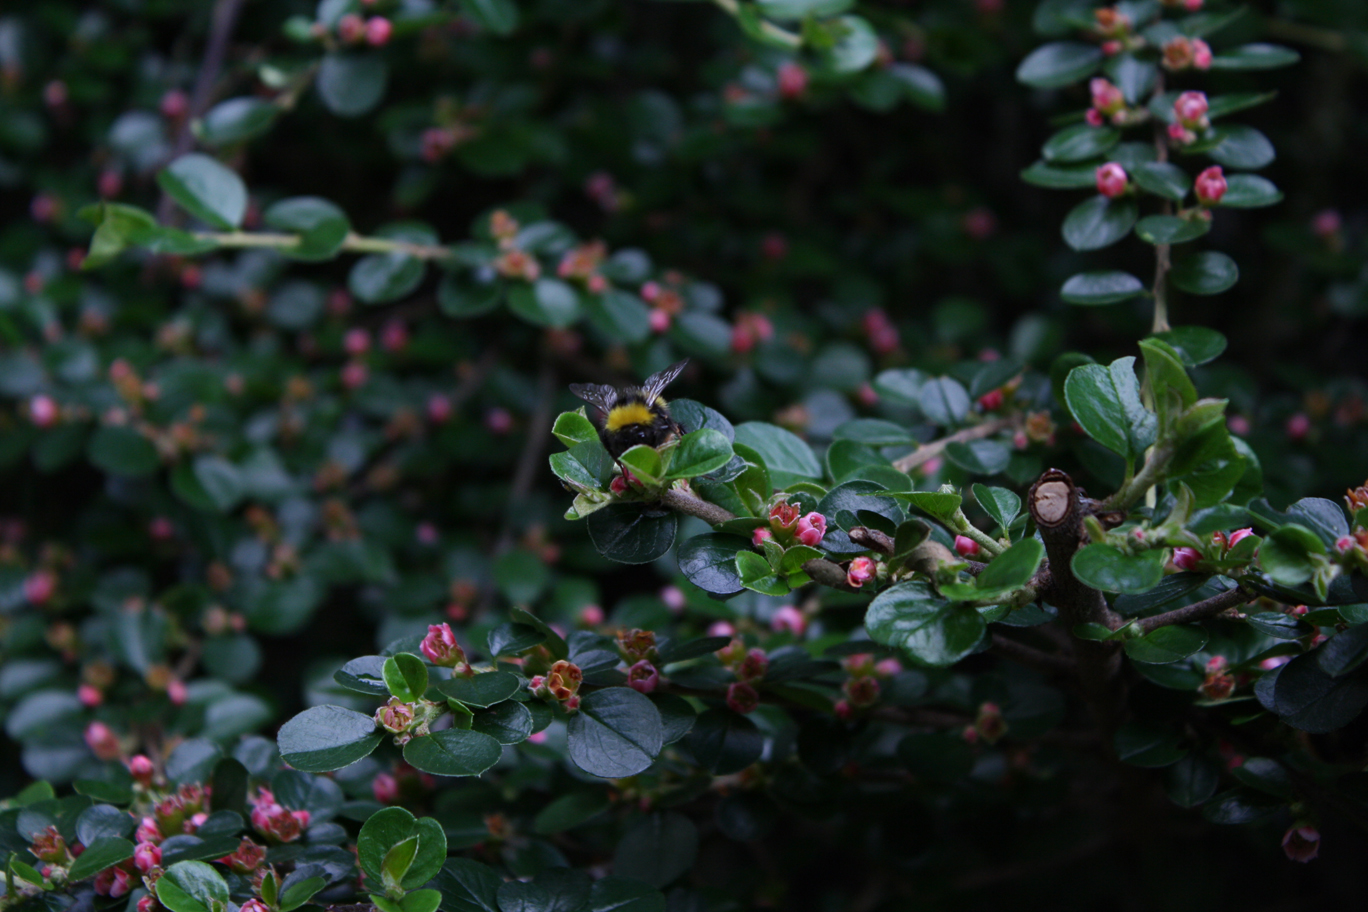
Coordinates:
632 415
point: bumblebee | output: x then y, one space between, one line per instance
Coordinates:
634 414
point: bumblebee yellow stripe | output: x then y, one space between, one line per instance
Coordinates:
623 415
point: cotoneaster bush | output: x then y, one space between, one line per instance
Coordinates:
1015 544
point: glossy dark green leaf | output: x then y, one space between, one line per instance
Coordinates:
468 886
1170 229
498 16
698 453
1255 57
622 894
855 46
1265 775
1106 402
999 503
100 852
1140 744
1196 345
632 534
982 457
206 189
1205 273
786 455
1058 63
930 629
1163 179
481 690
121 450
1098 222
320 224
453 752
1344 652
1240 805
1304 696
944 401
1191 781
1250 191
657 849
1078 144
1285 554
724 742
1061 176
1167 644
380 277
406 676
616 733
192 886
351 84
569 811
545 302
325 738
236 120
1243 148
709 562
1093 289
1111 570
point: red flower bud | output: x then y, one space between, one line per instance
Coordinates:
811 529
1210 186
102 741
643 677
742 698
966 546
146 856
1190 109
440 647
378 31
1186 558
790 619
861 571
792 79
1112 180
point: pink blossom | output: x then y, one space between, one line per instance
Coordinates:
1190 109
177 692
351 28
861 571
174 105
811 529
39 586
643 677
1301 843
146 856
141 769
674 598
1298 426
1201 54
440 647
438 408
992 400
385 788
753 666
650 292
659 321
1326 223
355 374
721 629
1112 180
888 668
792 79
102 741
591 615
966 546
89 695
1106 97
742 698
378 31
498 420
1239 535
790 619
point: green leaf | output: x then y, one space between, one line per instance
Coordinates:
321 226
572 428
1135 78
485 689
101 853
350 84
192 886
1163 179
1094 289
460 295
301 891
1140 744
645 462
406 676
757 575
1098 222
391 828
938 504
1058 63
497 16
121 450
622 894
616 733
873 432
631 533
1205 273
1166 644
414 901
786 455
545 302
1250 191
920 86
1239 806
1060 177
1255 57
930 629
1164 374
1191 781
1105 401
999 503
724 742
468 886
1078 144
1243 148
982 457
1286 552
569 811
509 722
944 401
709 562
657 849
1265 774
1012 568
618 315
380 277
236 120
1344 652
1304 696
206 189
396 864
698 453
325 738
453 752
1277 625
856 45
1111 570
1170 229
1196 345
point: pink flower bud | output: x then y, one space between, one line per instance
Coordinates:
1210 186
43 411
394 716
888 668
1181 135
1112 180
1326 223
721 629
146 856
1201 54
1239 535
89 695
55 93
979 223
102 741
378 31
438 409
440 647
991 401
385 788
1273 662
650 292
141 769
1238 425
498 420
394 336
351 28
1191 109
1186 558
591 615
989 723
674 598
811 529
966 546
742 698
659 321
1301 843
254 905
148 903
643 677
355 374
148 831
1094 118
753 666
792 79
774 246
1106 98
861 571
789 619
174 105
596 284
39 586
109 184
1298 426
1192 6
177 692
356 342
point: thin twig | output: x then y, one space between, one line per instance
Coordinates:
530 460
929 451
685 501
221 23
1197 611
1045 662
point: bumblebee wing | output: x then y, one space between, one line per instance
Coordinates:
656 383
599 395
